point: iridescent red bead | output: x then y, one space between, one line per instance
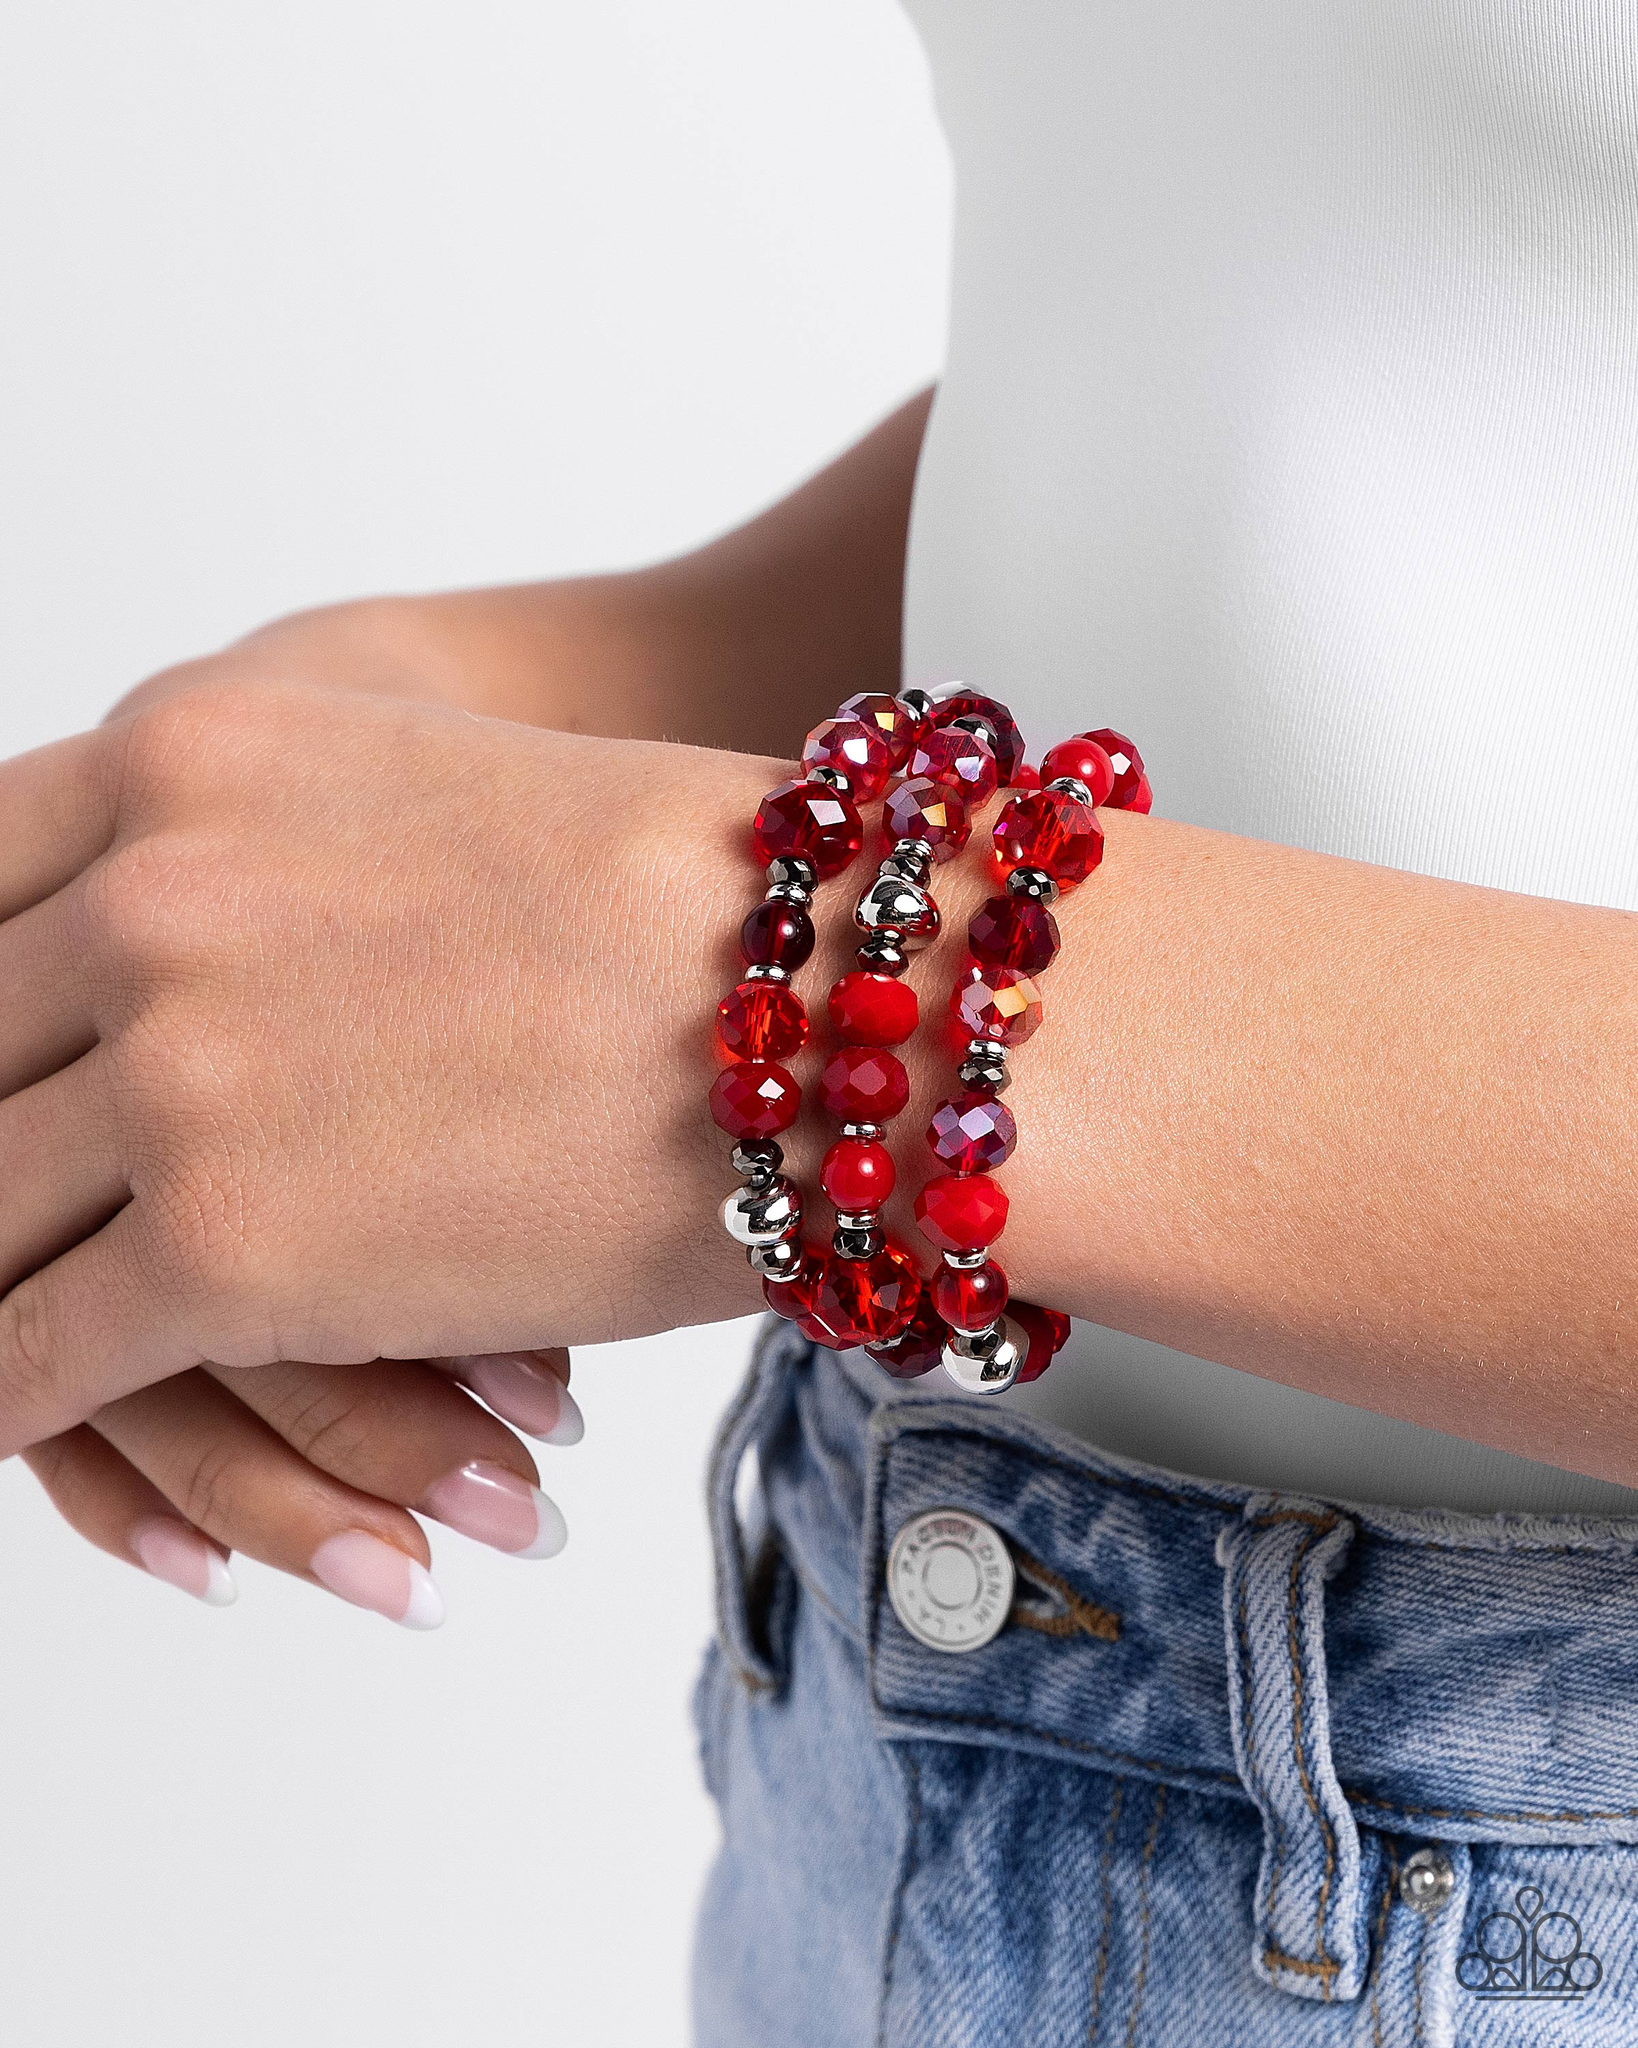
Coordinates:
962 1212
762 1020
970 1297
1011 931
1051 830
857 1174
873 1009
857 749
777 935
1001 1004
920 1345
861 1084
930 811
959 760
973 1133
754 1099
896 722
1131 790
1009 743
1047 1331
808 821
862 1301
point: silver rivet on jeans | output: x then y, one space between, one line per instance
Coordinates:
950 1579
1427 1880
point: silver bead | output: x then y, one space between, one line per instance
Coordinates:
986 1361
1034 884
856 1237
967 1262
893 904
985 1067
788 871
767 972
881 953
870 1133
759 1215
1427 1879
911 859
753 1156
833 778
1071 785
919 703
778 1262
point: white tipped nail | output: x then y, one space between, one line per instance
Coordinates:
372 1573
570 1425
552 1532
170 1550
426 1603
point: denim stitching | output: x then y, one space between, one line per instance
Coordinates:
1083 1615
1108 1908
907 1864
1357 1798
1144 1916
1301 1966
1381 1930
1326 1832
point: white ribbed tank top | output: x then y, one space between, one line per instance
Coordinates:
1290 424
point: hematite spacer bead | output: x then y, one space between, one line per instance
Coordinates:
753 1156
832 777
912 859
857 1237
1034 883
986 1361
966 1262
985 1066
870 1133
776 1262
1071 785
788 871
901 907
758 1215
919 703
765 972
883 954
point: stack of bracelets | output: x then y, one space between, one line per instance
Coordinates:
934 761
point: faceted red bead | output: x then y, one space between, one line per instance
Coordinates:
1047 1332
777 935
1010 931
858 749
857 1175
808 821
862 1301
970 1299
896 722
973 1133
932 811
1009 742
863 1085
1086 761
960 760
998 1003
762 1020
873 1009
792 1298
754 1099
962 1212
1141 799
921 1345
1044 828
1127 763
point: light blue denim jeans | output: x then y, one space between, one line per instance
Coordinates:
1240 1770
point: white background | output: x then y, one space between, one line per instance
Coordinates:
305 299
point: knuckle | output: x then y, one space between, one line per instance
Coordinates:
329 1426
183 737
30 1362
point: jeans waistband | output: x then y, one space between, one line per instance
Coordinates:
1455 1677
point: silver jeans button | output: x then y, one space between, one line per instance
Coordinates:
1427 1880
950 1579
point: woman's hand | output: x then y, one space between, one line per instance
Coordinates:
311 1468
342 1028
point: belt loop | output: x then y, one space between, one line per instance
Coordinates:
765 1388
1310 1919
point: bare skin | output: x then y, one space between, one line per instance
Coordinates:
378 1031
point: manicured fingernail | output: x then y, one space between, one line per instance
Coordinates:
526 1394
371 1573
171 1551
494 1506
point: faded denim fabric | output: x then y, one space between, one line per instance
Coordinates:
1173 1802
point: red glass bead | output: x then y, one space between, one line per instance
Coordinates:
794 1297
1027 778
962 1212
1010 931
858 749
1141 799
1127 762
998 1003
873 1009
931 811
1083 758
921 1345
754 1099
896 722
863 1085
777 935
1009 742
1044 828
1047 1332
762 1020
808 821
970 1298
973 1133
960 760
862 1301
857 1175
